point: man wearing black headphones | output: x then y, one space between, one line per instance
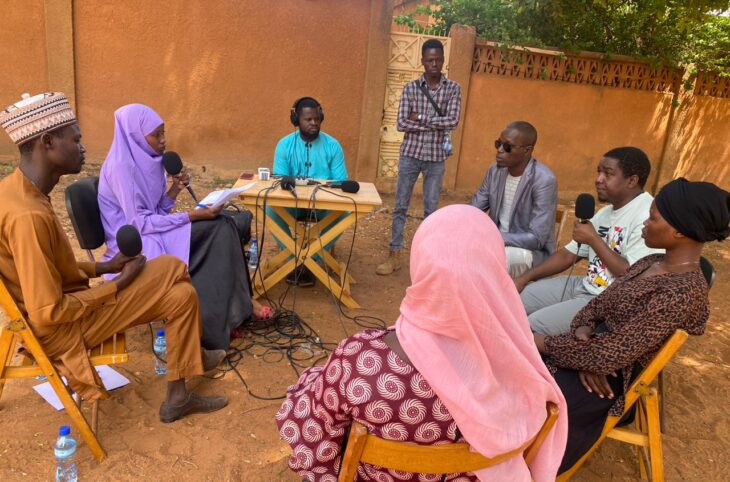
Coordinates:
307 153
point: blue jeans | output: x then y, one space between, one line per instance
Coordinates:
408 170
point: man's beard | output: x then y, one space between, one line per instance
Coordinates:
307 136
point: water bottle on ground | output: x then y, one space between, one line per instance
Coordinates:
253 254
65 452
160 349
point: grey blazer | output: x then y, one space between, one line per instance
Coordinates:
532 223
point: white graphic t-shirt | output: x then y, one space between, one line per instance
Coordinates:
621 231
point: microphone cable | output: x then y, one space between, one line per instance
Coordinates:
567 280
285 336
570 273
376 323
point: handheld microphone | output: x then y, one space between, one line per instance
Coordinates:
129 241
585 208
173 165
347 186
288 183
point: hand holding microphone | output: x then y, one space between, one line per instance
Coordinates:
174 167
178 183
129 260
583 230
585 209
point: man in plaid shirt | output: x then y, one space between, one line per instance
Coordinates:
426 144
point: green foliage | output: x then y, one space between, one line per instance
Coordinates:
710 49
671 32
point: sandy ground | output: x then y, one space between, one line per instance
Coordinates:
241 441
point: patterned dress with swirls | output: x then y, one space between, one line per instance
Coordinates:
364 381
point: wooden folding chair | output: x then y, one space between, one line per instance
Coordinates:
561 216
16 329
363 447
646 434
708 271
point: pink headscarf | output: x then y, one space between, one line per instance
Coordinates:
463 326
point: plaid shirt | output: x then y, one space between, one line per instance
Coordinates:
424 139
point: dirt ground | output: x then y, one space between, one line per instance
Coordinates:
241 441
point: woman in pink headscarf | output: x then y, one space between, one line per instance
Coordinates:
133 190
461 365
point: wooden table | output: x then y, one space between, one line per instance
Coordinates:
304 244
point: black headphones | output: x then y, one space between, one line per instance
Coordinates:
294 116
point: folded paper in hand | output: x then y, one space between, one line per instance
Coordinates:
219 198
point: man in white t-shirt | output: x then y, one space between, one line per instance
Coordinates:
611 242
521 195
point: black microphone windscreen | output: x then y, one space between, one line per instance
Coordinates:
129 241
585 206
350 186
172 162
288 183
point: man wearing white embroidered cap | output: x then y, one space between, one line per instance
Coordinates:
52 289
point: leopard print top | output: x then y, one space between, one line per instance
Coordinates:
639 316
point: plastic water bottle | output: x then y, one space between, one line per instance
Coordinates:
447 146
65 452
160 349
253 254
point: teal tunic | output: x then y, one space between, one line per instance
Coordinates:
320 159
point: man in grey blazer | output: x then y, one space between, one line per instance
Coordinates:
520 194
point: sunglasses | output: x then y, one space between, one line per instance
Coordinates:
505 145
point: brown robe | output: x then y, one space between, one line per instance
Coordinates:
68 317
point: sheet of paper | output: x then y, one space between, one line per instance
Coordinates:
222 196
111 378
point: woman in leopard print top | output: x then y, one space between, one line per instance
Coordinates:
619 332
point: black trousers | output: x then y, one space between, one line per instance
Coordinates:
220 276
587 413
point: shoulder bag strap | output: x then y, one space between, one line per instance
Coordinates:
425 91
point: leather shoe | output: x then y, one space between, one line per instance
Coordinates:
193 404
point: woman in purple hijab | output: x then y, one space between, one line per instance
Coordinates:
133 190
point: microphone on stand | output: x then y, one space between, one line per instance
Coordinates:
289 183
173 165
347 186
129 241
585 209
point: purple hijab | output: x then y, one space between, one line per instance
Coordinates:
132 187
